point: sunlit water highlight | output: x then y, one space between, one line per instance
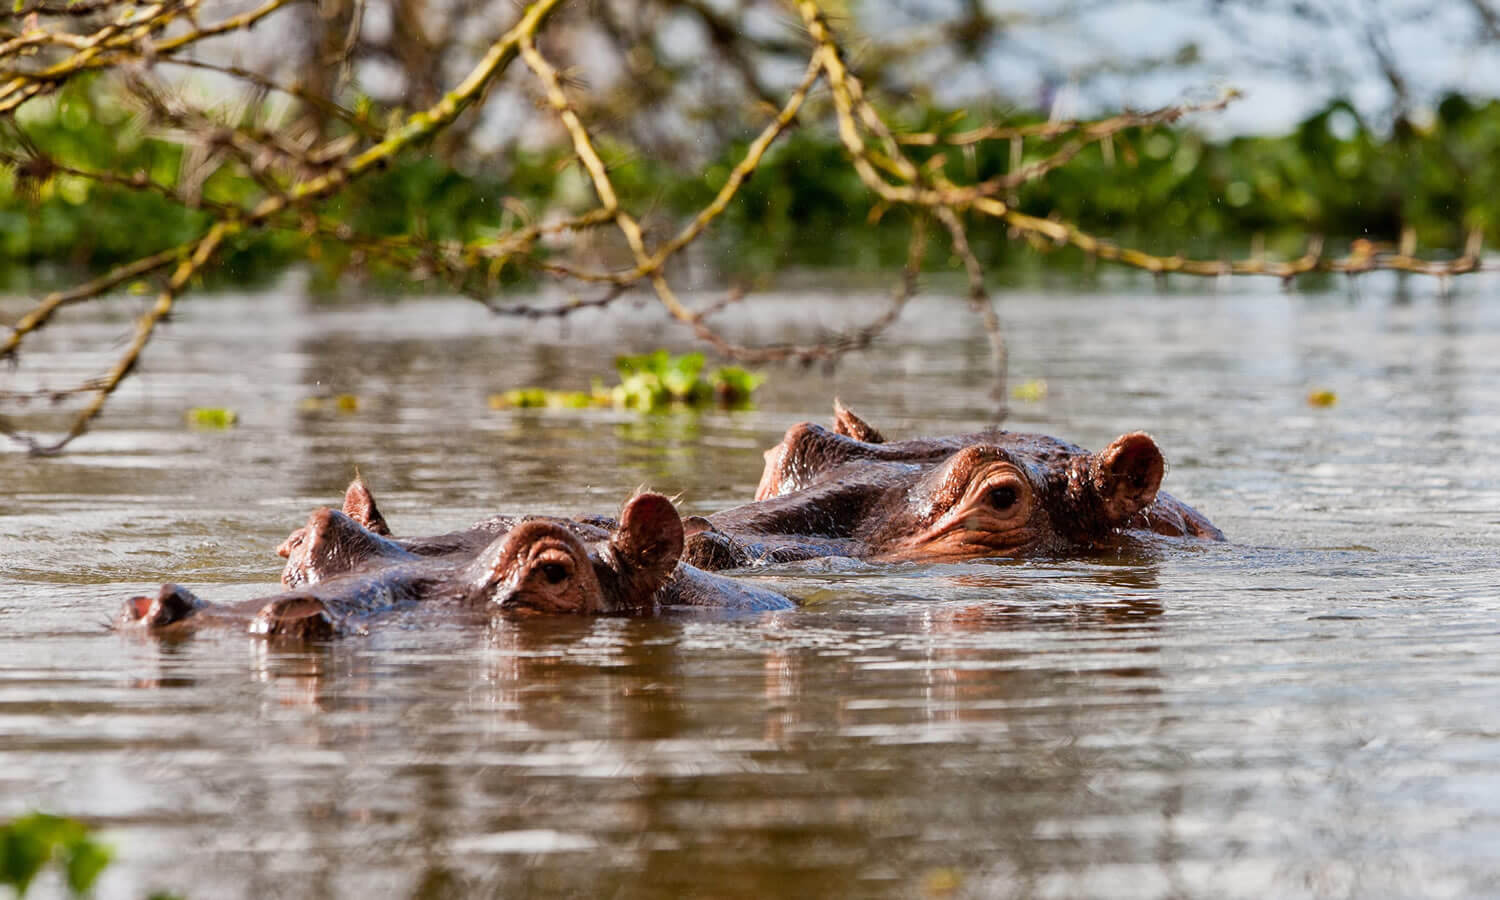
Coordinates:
1306 711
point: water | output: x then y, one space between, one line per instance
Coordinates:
1306 711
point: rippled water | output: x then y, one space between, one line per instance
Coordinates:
1309 710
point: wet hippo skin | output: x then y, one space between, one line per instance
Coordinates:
850 492
340 572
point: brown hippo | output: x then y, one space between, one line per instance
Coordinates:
340 572
849 492
334 542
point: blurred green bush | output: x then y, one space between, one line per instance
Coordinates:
1163 189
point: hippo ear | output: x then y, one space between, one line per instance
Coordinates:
845 422
359 505
1126 475
648 542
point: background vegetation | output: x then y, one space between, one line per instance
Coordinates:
1164 188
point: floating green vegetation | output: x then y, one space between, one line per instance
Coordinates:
344 403
649 382
212 417
29 843
1322 398
1033 391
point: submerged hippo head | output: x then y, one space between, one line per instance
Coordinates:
170 605
994 493
335 543
176 610
543 565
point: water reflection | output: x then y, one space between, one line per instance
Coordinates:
636 706
297 674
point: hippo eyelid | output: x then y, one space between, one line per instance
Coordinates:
1003 497
551 560
1003 489
944 488
949 484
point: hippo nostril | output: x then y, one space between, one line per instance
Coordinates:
508 600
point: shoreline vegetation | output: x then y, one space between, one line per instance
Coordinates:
1165 189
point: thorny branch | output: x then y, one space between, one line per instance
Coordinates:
297 176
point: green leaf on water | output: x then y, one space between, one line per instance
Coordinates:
1322 398
212 417
28 843
519 398
85 860
24 848
1033 391
680 376
538 398
649 382
732 385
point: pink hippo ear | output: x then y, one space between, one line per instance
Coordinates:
1126 475
845 422
359 505
648 543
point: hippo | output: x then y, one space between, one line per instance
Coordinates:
850 492
336 541
341 572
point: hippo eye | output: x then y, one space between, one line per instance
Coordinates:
555 573
1004 497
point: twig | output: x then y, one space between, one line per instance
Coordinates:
42 312
202 251
1088 131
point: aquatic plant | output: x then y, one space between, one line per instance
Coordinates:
649 382
30 843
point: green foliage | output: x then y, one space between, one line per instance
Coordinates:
650 382
541 398
47 214
1332 176
1163 189
29 843
215 417
732 385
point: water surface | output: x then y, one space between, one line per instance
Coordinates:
1306 711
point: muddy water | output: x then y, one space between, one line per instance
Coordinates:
1310 710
